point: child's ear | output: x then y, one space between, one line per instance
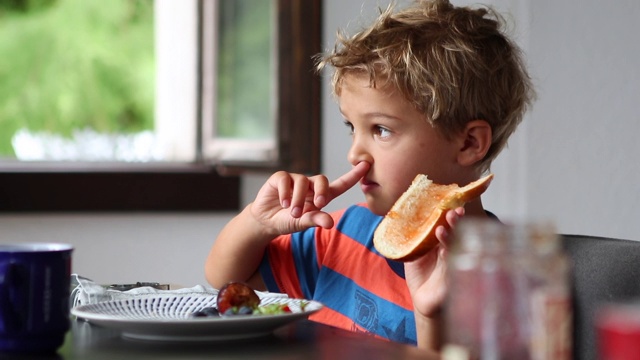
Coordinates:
475 140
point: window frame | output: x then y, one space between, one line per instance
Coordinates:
199 185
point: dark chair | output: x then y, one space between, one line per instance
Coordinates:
605 270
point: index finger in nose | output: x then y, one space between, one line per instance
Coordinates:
346 181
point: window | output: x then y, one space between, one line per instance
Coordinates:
204 182
242 79
296 109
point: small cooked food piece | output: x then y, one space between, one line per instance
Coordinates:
408 230
236 295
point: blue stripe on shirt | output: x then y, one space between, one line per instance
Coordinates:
350 225
371 312
303 248
267 275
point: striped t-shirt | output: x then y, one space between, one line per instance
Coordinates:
339 267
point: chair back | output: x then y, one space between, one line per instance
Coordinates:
604 270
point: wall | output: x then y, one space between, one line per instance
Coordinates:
572 160
582 147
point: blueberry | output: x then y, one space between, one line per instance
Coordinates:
245 310
242 310
211 311
229 311
198 314
206 312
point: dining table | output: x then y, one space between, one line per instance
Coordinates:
302 339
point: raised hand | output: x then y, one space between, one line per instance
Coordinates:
426 276
289 202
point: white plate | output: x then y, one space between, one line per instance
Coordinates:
167 318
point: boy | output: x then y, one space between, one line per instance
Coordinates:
432 89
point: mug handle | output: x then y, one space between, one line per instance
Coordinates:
13 296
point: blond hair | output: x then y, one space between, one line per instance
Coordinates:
454 64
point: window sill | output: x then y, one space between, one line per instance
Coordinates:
82 187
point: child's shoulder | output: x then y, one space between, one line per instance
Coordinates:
354 212
356 219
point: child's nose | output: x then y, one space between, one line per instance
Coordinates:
358 153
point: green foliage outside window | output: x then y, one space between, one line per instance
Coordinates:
75 64
245 69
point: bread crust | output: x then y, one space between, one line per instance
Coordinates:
408 229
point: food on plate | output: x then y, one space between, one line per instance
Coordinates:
208 311
273 309
408 230
236 295
237 298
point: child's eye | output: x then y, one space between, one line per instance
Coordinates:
382 131
350 126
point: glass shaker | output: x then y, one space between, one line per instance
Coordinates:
509 294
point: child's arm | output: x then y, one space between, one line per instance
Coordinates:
237 252
286 203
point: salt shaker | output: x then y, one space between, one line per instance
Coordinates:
509 295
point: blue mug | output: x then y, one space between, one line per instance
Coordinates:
34 296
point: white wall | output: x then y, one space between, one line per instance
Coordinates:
572 160
582 147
